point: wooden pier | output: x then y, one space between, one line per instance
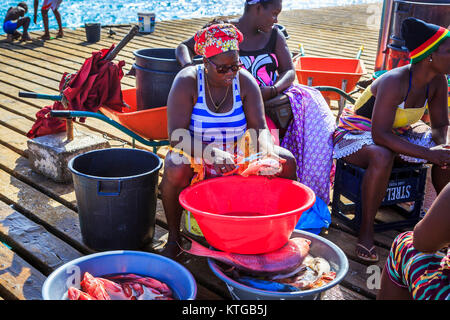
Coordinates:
38 218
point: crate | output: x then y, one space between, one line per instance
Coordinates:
406 184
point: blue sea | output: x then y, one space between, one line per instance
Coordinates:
76 13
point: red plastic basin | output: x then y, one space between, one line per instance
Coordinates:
250 215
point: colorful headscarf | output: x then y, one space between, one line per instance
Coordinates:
216 39
422 38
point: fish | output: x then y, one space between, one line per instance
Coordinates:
267 166
126 287
316 273
283 260
146 281
76 294
94 287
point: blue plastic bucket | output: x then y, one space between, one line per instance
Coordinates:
176 276
116 191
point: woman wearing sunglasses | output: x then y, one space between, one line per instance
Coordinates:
213 109
265 54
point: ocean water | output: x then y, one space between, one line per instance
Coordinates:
76 13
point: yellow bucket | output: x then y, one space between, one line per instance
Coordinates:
191 225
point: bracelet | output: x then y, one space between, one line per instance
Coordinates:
272 89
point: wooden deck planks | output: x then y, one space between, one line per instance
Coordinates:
40 203
18 279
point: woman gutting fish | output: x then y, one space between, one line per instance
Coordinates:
211 110
266 55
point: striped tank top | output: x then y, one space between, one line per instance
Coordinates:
219 128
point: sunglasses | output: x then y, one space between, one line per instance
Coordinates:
225 68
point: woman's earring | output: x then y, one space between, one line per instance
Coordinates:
431 59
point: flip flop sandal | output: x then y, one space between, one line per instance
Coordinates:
368 252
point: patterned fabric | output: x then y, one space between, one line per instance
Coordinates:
425 275
354 131
310 138
262 64
203 170
419 134
216 39
220 128
349 122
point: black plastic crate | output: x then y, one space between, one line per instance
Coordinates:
406 184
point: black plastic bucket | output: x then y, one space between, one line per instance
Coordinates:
116 197
155 71
92 32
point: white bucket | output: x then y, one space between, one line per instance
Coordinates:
146 22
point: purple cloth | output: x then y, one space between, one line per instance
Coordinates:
310 138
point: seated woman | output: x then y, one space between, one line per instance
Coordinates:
418 266
385 122
210 108
265 54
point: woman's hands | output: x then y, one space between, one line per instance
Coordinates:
222 161
267 163
439 155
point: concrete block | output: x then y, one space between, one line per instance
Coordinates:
49 155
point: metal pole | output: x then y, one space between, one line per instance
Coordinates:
69 123
383 38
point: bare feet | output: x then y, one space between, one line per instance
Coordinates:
45 36
171 250
60 34
9 38
26 37
16 35
366 254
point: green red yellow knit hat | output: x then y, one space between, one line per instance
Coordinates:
422 38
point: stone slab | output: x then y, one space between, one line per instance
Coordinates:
49 155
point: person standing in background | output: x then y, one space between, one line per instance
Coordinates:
49 4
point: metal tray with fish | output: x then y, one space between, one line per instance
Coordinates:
319 247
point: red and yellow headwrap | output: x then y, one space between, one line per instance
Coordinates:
216 39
